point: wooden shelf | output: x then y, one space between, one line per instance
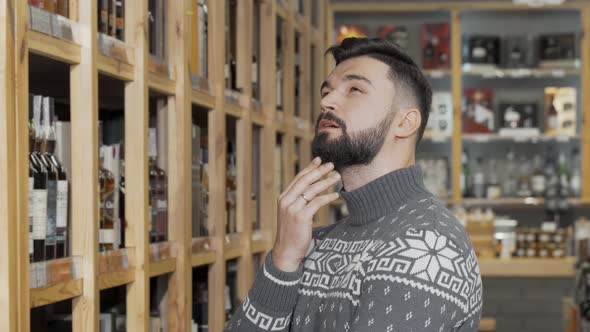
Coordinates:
494 138
258 119
519 73
115 68
281 9
203 258
54 48
437 73
202 99
487 324
162 267
161 83
233 110
527 267
55 293
116 279
260 246
232 247
516 202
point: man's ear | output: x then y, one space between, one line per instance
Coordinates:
407 122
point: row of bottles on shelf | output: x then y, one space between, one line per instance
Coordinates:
560 113
435 40
502 237
553 179
48 184
555 50
549 50
111 18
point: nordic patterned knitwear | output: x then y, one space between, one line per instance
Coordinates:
399 262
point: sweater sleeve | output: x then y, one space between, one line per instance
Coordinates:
419 282
270 302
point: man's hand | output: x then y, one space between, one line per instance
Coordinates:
297 206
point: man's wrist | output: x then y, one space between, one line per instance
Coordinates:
285 263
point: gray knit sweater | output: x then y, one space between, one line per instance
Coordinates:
399 262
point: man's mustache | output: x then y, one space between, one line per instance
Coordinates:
331 117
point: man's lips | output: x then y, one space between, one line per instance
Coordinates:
328 124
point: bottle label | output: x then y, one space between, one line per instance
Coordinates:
107 205
106 236
51 212
552 122
538 183
31 213
254 72
40 215
62 204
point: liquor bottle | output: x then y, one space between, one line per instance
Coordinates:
51 214
103 16
279 86
538 177
32 175
231 194
254 77
37 109
158 192
564 176
510 183
122 193
40 205
479 183
203 25
524 178
32 134
552 183
112 17
552 123
576 180
465 175
494 189
120 20
106 181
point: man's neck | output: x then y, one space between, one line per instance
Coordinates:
357 176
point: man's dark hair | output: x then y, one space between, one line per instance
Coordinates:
412 88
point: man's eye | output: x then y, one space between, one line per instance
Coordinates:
324 93
354 89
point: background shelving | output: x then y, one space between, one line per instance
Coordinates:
117 82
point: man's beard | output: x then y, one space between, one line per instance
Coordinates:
350 150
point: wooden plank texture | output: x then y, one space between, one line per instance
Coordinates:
136 208
456 88
84 96
8 169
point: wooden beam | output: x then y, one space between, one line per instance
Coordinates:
528 267
180 166
217 166
21 77
84 96
585 104
57 293
54 48
244 146
268 201
457 91
137 184
9 167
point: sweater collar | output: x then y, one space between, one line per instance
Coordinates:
384 195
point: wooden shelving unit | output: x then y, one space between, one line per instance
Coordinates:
142 76
458 72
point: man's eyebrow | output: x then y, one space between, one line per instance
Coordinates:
349 77
356 77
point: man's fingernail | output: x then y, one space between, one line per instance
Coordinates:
317 160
